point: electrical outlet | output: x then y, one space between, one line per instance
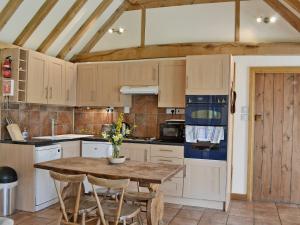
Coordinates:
180 111
170 110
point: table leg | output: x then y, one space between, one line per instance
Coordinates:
155 208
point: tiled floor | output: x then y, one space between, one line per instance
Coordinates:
240 213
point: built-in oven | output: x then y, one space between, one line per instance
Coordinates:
173 131
206 119
206 110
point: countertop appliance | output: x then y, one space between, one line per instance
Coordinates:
206 113
173 131
95 150
45 192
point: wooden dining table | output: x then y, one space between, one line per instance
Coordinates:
151 175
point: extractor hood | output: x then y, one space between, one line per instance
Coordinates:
139 90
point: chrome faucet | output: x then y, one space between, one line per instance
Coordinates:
53 127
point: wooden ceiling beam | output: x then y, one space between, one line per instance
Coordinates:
8 11
84 28
295 4
143 27
147 4
63 23
182 50
287 14
105 27
237 20
35 22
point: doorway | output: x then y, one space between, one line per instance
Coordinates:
274 135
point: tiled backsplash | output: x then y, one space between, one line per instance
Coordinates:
144 113
36 118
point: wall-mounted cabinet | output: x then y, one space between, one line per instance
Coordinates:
171 84
37 81
207 74
86 84
71 83
143 73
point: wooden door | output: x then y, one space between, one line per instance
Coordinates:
71 81
140 73
172 84
86 84
70 149
56 81
208 75
37 81
108 83
276 168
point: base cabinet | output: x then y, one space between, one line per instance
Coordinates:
136 152
205 180
70 149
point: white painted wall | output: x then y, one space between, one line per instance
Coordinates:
240 145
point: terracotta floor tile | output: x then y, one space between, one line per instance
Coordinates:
190 214
183 221
211 217
266 221
35 221
238 220
193 208
288 218
241 212
170 205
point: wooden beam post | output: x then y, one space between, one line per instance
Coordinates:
185 49
237 20
289 16
8 11
99 34
35 22
295 4
143 27
61 25
84 27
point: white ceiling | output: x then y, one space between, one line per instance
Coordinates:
193 23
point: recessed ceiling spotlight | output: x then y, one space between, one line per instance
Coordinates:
273 19
259 19
119 30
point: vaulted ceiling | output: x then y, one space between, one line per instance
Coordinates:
64 28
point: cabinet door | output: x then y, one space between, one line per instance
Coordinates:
71 81
207 75
56 81
205 179
171 84
136 152
86 84
140 73
37 81
108 83
70 149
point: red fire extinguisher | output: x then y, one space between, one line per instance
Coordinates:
6 67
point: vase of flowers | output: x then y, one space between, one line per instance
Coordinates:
116 136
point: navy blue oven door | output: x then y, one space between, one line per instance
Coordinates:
207 150
206 114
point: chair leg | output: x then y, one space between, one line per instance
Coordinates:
98 222
83 219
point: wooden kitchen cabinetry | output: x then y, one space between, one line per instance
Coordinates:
170 155
171 84
56 81
142 73
71 83
136 152
86 84
70 149
208 74
108 84
37 78
205 180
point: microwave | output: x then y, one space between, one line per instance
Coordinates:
173 131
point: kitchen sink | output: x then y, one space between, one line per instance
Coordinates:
64 136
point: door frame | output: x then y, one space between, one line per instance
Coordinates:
252 74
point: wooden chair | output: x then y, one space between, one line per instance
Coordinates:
73 202
118 211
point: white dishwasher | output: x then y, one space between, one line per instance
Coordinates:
45 192
95 149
